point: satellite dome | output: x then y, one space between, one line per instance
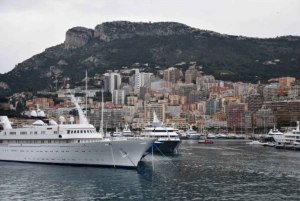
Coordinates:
33 113
61 119
71 119
52 122
41 113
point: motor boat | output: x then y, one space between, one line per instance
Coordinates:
205 141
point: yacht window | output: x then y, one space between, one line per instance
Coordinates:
23 133
88 131
35 132
71 131
84 131
77 131
81 131
42 141
68 131
31 132
55 132
43 132
12 133
49 141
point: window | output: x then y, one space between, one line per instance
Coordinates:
49 141
23 133
12 133
43 132
42 141
55 132
35 132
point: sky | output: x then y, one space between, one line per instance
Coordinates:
28 27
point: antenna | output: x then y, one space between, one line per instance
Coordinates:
86 92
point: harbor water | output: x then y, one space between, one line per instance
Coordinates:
225 170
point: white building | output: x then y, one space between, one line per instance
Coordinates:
112 81
118 97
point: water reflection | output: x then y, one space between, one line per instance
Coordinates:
226 170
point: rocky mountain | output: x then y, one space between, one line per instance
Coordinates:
112 45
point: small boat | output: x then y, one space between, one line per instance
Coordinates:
255 142
206 141
211 136
221 136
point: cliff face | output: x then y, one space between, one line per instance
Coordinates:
78 37
115 44
122 30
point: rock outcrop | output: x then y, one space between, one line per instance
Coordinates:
78 37
122 29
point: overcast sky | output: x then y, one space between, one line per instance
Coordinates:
30 26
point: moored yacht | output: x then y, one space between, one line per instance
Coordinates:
191 134
45 141
127 132
165 135
273 132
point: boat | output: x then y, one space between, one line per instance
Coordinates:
117 133
211 136
294 136
166 135
46 141
205 141
127 132
221 136
181 134
231 136
255 142
191 134
273 132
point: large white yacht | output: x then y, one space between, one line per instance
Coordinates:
165 136
45 141
273 133
191 134
294 136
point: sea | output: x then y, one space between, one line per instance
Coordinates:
225 170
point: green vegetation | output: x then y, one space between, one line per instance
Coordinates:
227 58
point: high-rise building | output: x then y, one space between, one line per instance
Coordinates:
112 82
118 97
171 75
191 74
286 81
255 101
236 115
270 92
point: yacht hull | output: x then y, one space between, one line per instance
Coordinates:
125 153
168 146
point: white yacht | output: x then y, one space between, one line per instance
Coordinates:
211 136
166 136
191 134
181 134
45 141
273 132
294 136
117 133
127 132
